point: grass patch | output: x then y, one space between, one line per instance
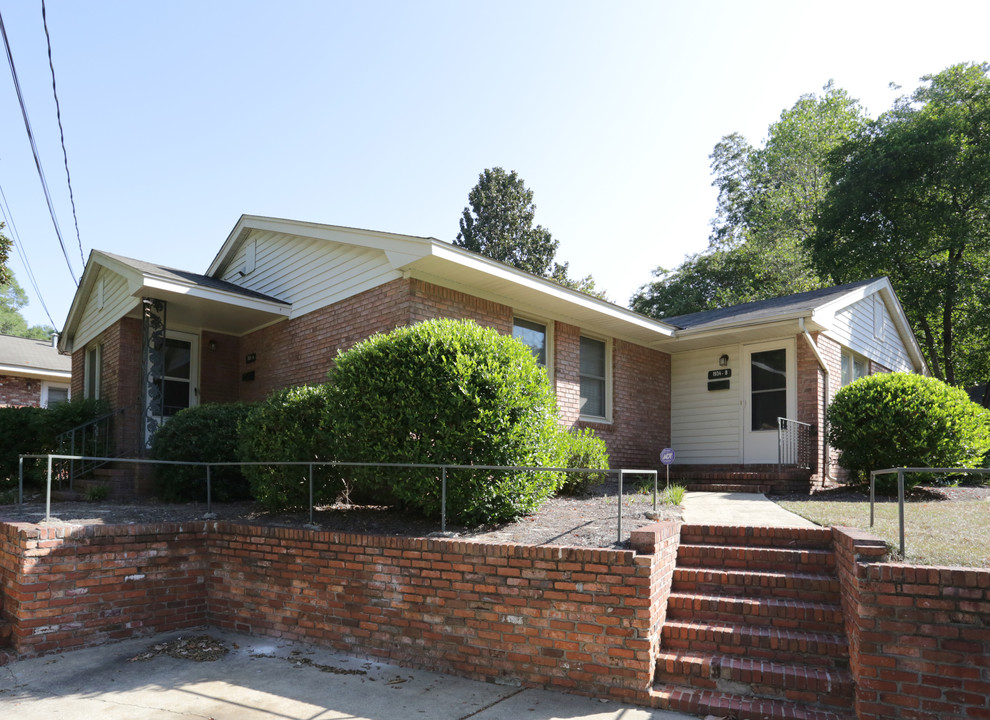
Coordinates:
935 532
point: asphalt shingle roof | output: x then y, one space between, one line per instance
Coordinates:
32 354
187 277
764 309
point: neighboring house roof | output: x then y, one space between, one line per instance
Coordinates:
33 358
762 310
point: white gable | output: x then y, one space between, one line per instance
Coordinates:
867 327
309 273
110 299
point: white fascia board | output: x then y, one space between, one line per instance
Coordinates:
734 326
828 310
449 252
214 295
35 373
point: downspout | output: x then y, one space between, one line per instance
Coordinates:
821 363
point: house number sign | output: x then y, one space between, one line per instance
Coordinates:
720 374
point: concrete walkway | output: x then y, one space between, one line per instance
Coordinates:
263 679
747 509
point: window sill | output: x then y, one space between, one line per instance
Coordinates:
594 420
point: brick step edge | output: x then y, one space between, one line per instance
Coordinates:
811 587
742 557
727 488
824 686
792 538
766 643
774 612
707 702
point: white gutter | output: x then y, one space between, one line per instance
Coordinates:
824 367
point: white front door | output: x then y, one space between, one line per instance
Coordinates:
769 391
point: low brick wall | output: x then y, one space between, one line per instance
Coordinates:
70 586
919 637
574 619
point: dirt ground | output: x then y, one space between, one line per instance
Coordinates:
587 521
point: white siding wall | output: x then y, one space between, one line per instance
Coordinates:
705 424
117 302
306 272
854 327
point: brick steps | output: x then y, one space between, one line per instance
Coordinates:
754 627
822 685
775 612
757 558
769 584
737 707
702 486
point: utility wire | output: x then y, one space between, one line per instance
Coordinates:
61 133
34 149
8 217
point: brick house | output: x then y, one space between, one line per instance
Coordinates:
32 372
282 297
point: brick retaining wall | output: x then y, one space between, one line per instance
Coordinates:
575 619
919 637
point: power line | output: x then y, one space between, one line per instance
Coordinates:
34 149
61 133
8 217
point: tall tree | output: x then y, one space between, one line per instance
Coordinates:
767 206
499 225
12 299
911 200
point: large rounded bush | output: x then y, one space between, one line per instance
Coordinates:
202 433
583 449
450 392
903 420
290 425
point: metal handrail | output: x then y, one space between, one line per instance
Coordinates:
443 467
900 488
789 442
100 431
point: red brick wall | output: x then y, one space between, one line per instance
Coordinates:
301 351
640 387
219 368
919 637
19 391
72 586
574 619
811 392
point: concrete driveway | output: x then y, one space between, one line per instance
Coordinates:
261 679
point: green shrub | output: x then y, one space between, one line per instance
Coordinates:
903 420
202 433
582 449
294 424
30 430
447 391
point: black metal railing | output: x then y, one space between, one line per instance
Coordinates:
86 447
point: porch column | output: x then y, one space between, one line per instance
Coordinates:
152 364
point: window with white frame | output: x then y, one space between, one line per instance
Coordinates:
53 394
594 378
854 367
535 336
91 372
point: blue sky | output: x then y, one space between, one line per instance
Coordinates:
180 116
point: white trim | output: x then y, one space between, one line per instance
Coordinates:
609 389
46 386
89 391
548 337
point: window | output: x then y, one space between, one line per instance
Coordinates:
52 395
854 367
594 364
534 336
177 380
768 374
91 372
